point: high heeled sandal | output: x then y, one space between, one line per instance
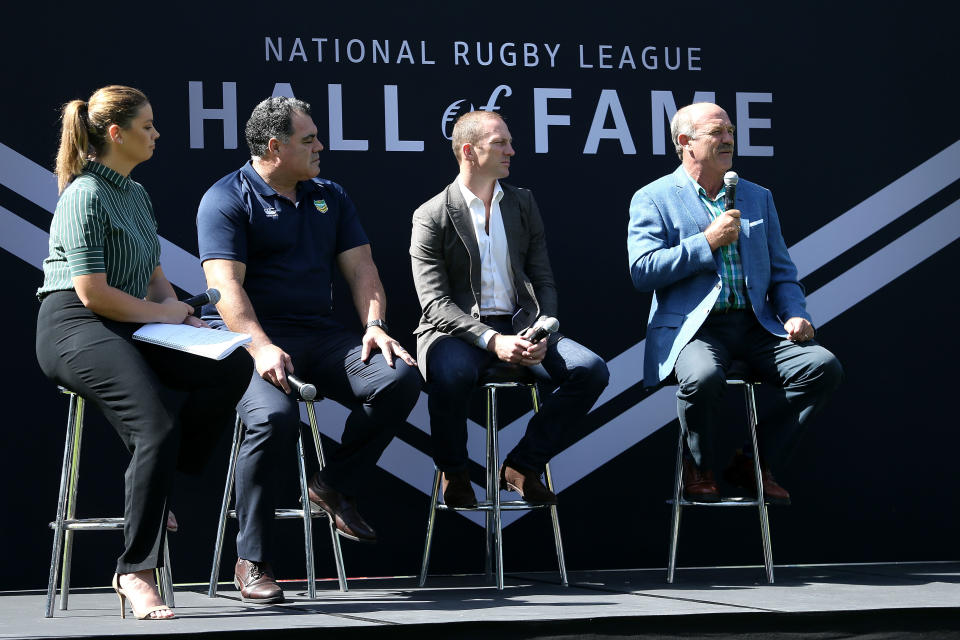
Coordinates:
123 604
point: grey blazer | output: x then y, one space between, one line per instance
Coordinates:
446 266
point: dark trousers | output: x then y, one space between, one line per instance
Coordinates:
803 374
577 375
379 398
125 379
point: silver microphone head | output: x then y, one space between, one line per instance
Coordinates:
551 325
308 392
730 178
214 295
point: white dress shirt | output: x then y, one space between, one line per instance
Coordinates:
497 292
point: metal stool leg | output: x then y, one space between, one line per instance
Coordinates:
74 414
321 460
431 519
675 520
492 488
557 539
492 472
225 507
751 402
71 504
164 577
307 519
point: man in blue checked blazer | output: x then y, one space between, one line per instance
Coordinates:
724 288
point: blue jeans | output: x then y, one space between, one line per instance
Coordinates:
804 375
577 376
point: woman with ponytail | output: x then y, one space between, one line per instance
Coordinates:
102 280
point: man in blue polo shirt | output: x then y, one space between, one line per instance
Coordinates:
269 237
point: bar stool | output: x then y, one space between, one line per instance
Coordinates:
307 395
66 521
499 376
737 375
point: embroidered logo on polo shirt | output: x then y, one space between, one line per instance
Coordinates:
321 205
271 213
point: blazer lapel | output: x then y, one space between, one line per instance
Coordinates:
691 199
462 222
512 227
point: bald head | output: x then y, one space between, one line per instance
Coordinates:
685 121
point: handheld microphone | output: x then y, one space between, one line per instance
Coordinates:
210 296
306 390
730 179
543 327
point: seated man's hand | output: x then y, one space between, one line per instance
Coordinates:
517 350
798 329
273 364
377 338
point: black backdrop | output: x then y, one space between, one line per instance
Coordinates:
847 101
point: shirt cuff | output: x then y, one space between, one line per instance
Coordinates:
484 339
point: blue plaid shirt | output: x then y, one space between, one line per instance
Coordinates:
732 291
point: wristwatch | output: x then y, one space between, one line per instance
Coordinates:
378 323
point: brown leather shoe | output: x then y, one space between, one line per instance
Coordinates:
256 582
341 509
698 486
527 484
740 473
457 491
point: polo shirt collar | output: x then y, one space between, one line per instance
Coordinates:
119 181
260 185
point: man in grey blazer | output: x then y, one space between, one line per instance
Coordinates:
724 288
483 277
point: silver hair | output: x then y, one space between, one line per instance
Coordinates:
681 124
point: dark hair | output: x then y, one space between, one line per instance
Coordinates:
84 127
272 118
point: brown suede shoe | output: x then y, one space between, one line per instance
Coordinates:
341 509
698 486
256 582
740 473
457 491
527 484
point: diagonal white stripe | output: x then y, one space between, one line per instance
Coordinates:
33 182
22 239
877 211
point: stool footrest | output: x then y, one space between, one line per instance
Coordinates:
90 524
724 502
513 505
287 514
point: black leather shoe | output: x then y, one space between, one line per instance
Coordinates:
341 509
698 486
740 473
527 484
256 582
457 491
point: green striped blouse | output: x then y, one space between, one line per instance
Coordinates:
103 223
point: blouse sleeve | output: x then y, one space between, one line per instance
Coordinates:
80 223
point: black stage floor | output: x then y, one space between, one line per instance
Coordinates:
902 600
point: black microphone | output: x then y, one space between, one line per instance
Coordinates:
210 296
730 179
306 390
543 327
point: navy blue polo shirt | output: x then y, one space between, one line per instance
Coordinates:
289 249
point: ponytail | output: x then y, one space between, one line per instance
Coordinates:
85 124
74 143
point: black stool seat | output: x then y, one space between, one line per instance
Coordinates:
506 372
